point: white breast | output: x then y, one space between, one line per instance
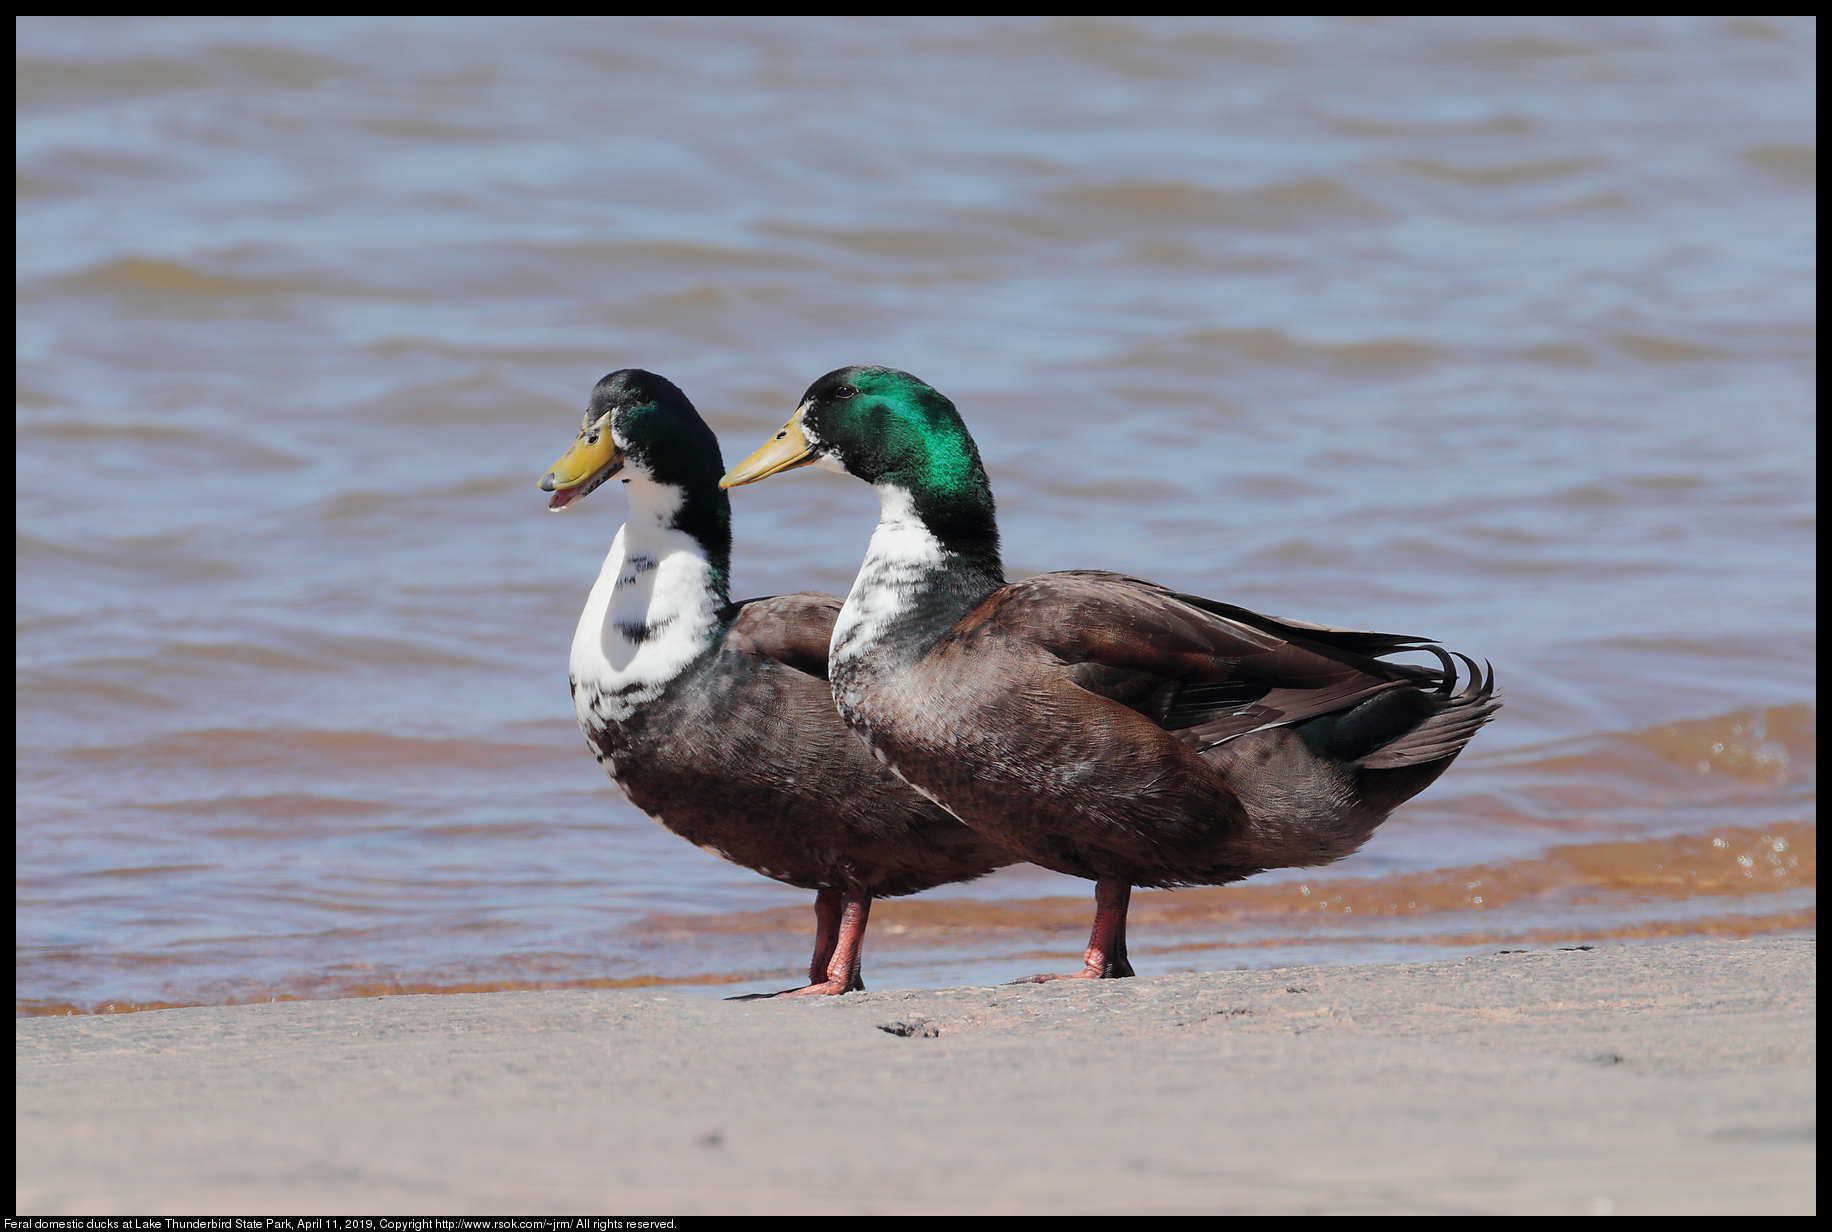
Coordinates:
902 553
650 614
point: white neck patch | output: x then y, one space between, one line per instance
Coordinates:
902 552
651 611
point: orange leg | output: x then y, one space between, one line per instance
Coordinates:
839 947
1106 955
826 934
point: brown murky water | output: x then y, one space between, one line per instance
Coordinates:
1495 330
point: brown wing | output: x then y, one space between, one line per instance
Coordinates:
1206 671
792 629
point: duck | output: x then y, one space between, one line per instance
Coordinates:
715 718
1100 725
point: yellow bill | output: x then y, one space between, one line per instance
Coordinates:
785 451
592 459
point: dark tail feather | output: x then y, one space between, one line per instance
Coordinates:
1443 735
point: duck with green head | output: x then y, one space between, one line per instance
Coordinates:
715 717
1096 724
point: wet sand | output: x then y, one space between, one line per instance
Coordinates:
1675 1078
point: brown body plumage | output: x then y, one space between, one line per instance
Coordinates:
743 755
1109 728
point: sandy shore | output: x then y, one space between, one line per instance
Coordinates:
1671 1078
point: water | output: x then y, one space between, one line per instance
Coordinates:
1496 330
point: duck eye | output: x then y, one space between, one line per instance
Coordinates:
844 392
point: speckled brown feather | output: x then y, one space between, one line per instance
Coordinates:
744 755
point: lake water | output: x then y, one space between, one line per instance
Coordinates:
1497 330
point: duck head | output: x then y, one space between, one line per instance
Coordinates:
876 424
638 420
901 436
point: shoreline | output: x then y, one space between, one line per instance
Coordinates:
1623 1079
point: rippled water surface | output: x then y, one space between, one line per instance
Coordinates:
1495 330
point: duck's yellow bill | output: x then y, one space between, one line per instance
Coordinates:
785 451
592 458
